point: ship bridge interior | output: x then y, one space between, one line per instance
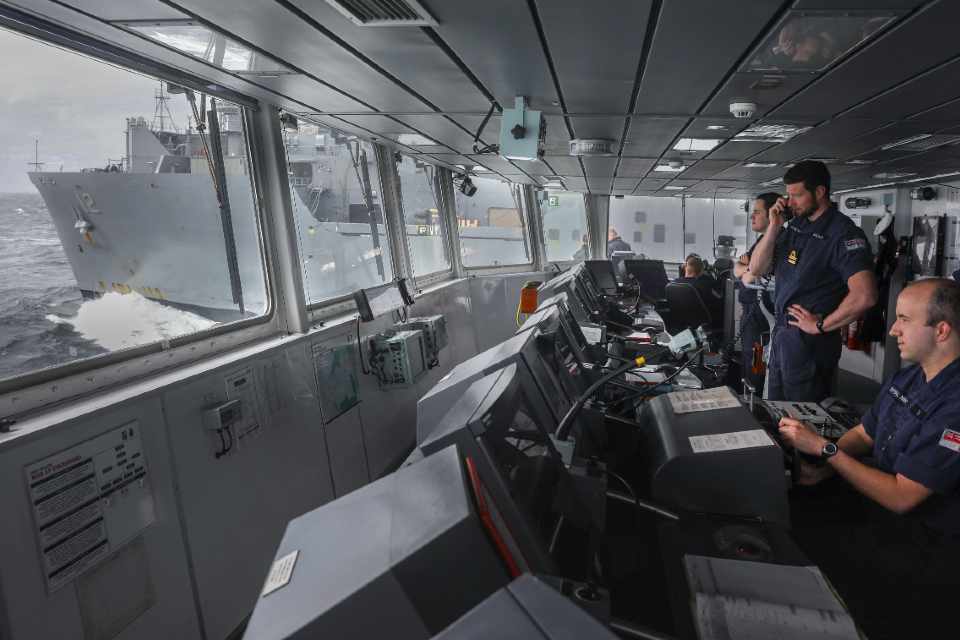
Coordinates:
396 248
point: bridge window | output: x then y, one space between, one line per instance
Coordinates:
564 213
338 211
492 225
661 232
114 231
709 219
426 227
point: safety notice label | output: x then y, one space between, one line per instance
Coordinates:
729 441
88 501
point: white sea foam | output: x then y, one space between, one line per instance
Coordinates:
117 321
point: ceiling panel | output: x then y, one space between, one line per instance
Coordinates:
442 130
736 171
625 183
272 28
811 142
599 184
738 89
721 32
126 10
575 183
919 94
920 42
739 150
498 164
564 165
650 137
597 77
600 166
949 111
634 167
870 141
859 4
707 168
699 128
498 41
381 125
408 54
607 128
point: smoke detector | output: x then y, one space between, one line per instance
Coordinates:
742 109
591 147
676 165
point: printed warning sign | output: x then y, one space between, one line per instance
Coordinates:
88 501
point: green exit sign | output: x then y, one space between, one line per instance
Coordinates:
553 201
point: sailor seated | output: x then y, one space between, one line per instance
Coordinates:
693 272
899 566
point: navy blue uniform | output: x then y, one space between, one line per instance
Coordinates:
617 244
751 330
816 260
901 572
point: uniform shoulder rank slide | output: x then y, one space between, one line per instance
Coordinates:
950 439
793 257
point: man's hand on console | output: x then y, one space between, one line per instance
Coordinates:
744 259
805 440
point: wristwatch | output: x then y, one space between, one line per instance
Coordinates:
829 450
820 326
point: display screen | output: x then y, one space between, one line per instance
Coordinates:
650 275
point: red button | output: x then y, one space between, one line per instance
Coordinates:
749 549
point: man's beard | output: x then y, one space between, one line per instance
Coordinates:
806 213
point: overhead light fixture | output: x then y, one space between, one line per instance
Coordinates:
670 187
859 162
591 147
770 183
696 144
892 175
717 127
770 133
669 167
759 165
823 160
921 142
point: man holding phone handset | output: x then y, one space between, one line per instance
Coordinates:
824 280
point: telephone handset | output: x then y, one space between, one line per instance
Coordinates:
787 214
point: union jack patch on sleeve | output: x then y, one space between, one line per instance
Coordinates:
950 439
856 243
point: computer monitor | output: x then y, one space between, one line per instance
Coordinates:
603 274
530 353
509 448
650 275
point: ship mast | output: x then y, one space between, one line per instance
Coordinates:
36 160
162 111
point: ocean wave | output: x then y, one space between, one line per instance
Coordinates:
117 321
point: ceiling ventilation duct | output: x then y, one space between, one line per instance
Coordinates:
385 13
921 142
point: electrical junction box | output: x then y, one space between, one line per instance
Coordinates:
522 132
222 415
434 330
400 358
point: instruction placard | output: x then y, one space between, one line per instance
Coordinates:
88 501
240 385
730 441
339 384
703 400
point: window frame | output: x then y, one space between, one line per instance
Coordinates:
534 248
127 358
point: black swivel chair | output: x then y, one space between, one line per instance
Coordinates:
685 309
723 267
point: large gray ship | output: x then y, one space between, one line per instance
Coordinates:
152 223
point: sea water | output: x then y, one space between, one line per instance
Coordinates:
44 321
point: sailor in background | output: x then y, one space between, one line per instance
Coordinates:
824 280
903 558
693 270
752 321
584 252
615 243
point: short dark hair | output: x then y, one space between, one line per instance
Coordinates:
944 304
696 263
769 199
812 173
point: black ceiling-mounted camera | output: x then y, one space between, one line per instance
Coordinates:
466 186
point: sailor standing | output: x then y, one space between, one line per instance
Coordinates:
824 280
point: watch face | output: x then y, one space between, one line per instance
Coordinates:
829 449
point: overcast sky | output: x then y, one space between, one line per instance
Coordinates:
75 106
